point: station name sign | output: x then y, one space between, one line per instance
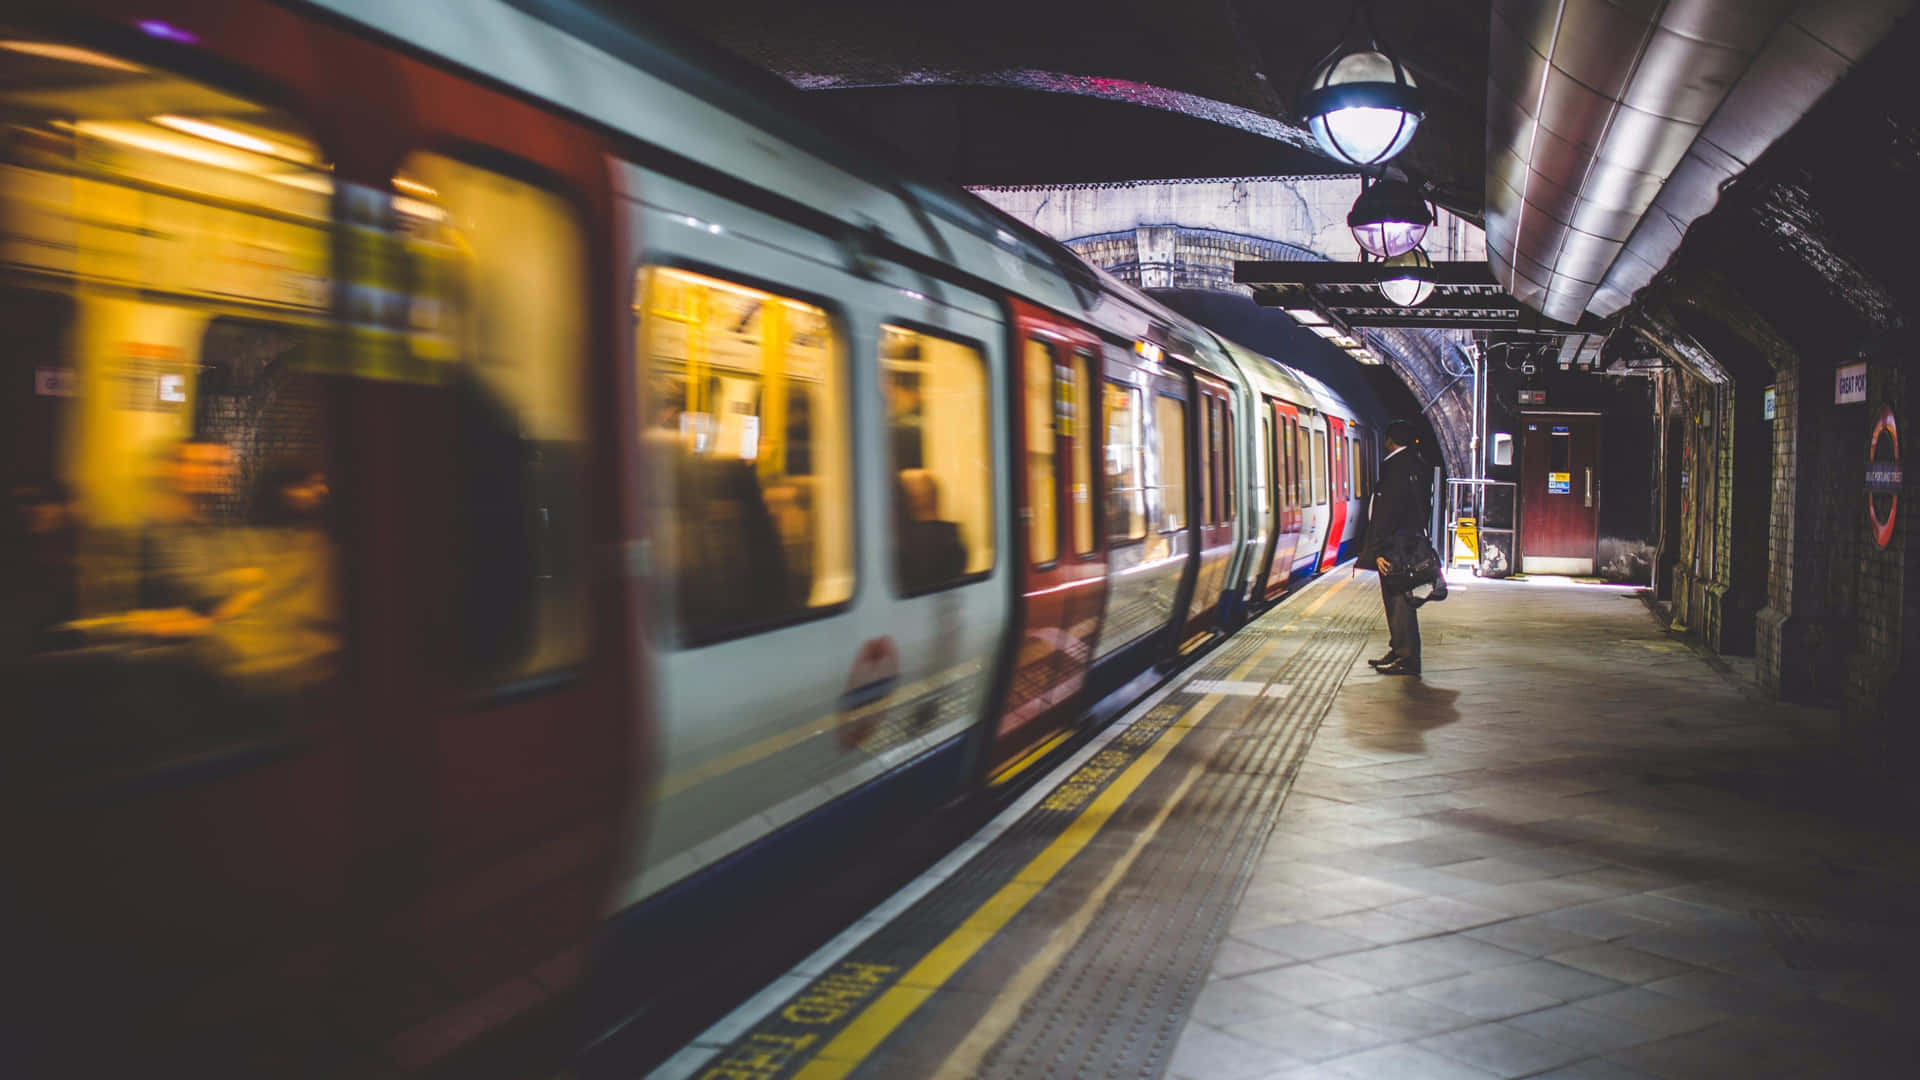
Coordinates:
1850 384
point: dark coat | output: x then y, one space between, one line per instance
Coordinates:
1402 503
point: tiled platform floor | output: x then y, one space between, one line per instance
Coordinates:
1562 854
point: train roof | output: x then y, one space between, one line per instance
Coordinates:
698 104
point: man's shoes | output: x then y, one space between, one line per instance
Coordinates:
1385 660
1398 667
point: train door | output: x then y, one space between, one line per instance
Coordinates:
508 491
1148 527
1213 476
1336 442
1057 440
1263 520
1281 446
1311 455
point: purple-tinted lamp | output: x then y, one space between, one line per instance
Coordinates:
1389 218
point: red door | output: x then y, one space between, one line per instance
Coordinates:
1337 493
1559 494
1063 551
1286 497
509 827
1213 478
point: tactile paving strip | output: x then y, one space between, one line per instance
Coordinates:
1117 1003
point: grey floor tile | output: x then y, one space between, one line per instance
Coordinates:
1501 1049
1309 1035
1304 941
1204 1053
1728 993
1530 936
1445 913
1400 1062
1392 967
1224 1003
1306 984
1593 1069
1464 952
1599 923
1742 1049
1377 927
1431 881
1486 995
1582 1029
1398 1014
1620 963
1368 892
1240 957
1558 980
1658 1013
1499 871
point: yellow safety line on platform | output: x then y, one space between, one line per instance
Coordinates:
878 1020
1326 596
1024 761
1000 1016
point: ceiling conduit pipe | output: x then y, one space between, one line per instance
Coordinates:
1612 124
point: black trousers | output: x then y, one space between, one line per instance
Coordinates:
1403 625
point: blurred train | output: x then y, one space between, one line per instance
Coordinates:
481 480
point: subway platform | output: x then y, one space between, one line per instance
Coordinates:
1574 849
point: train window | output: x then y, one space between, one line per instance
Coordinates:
1043 522
1126 497
1318 441
1206 459
938 433
1270 448
1303 461
748 440
1170 424
1083 449
1283 455
1290 449
1336 467
1353 467
521 347
1226 461
171 572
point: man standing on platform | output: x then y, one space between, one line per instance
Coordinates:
1401 507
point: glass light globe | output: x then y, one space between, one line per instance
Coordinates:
1408 281
1362 108
1389 218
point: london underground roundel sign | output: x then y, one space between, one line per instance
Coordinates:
1884 477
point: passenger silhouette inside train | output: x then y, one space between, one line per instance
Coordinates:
931 551
727 549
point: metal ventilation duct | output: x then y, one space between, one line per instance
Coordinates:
1599 110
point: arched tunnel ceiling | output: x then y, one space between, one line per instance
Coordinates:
1075 91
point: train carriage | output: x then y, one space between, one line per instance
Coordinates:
518 485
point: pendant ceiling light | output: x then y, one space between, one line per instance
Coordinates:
1389 218
1407 278
1361 102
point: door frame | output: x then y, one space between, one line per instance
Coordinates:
1599 433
